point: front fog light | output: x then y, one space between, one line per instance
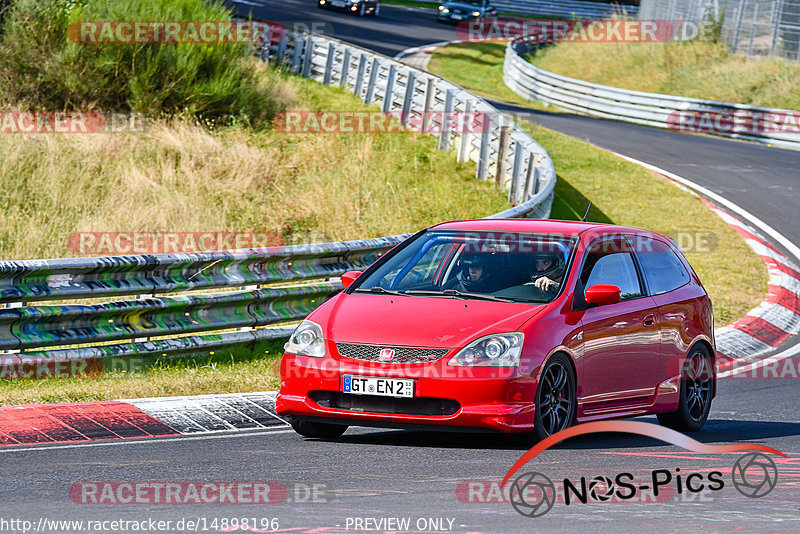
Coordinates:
306 340
496 350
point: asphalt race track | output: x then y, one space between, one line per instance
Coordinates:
334 486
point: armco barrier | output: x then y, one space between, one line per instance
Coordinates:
764 125
562 9
174 312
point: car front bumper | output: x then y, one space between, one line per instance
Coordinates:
489 398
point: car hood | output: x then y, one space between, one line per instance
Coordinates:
418 321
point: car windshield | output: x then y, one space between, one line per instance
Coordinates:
477 3
506 267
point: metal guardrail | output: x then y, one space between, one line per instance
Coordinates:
763 125
566 9
171 315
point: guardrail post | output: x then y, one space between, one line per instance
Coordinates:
308 51
532 176
537 173
373 76
345 68
752 30
326 80
362 65
142 296
444 135
408 99
739 20
466 135
388 95
281 49
502 154
430 94
776 29
516 168
298 49
482 172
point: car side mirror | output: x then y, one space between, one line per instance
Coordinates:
349 277
602 294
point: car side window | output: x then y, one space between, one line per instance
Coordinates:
663 270
609 261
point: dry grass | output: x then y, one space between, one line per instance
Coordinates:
624 193
692 69
181 177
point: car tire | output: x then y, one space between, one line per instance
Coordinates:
556 400
311 429
697 389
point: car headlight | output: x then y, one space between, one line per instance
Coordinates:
444 9
476 13
306 340
495 350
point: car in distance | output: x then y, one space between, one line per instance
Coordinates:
461 10
509 325
357 7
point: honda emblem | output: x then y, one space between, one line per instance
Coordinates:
386 355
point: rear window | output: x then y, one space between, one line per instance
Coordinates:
663 269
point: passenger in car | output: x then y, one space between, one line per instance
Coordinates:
475 275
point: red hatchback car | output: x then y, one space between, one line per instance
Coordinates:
510 325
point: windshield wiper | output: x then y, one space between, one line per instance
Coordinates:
457 294
378 291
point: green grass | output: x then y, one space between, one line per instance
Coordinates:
693 69
478 67
181 176
251 367
44 66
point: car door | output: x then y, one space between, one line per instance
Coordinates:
676 300
622 340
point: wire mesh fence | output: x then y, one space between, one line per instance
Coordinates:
752 27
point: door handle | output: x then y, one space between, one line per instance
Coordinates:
649 320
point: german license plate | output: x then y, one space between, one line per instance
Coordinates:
339 4
384 387
457 17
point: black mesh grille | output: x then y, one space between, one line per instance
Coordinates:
394 405
371 353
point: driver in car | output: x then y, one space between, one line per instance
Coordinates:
548 272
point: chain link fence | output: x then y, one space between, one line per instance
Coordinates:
752 27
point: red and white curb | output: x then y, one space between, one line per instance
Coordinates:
82 422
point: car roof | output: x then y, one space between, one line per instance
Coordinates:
568 228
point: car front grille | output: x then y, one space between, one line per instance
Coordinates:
371 353
389 405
